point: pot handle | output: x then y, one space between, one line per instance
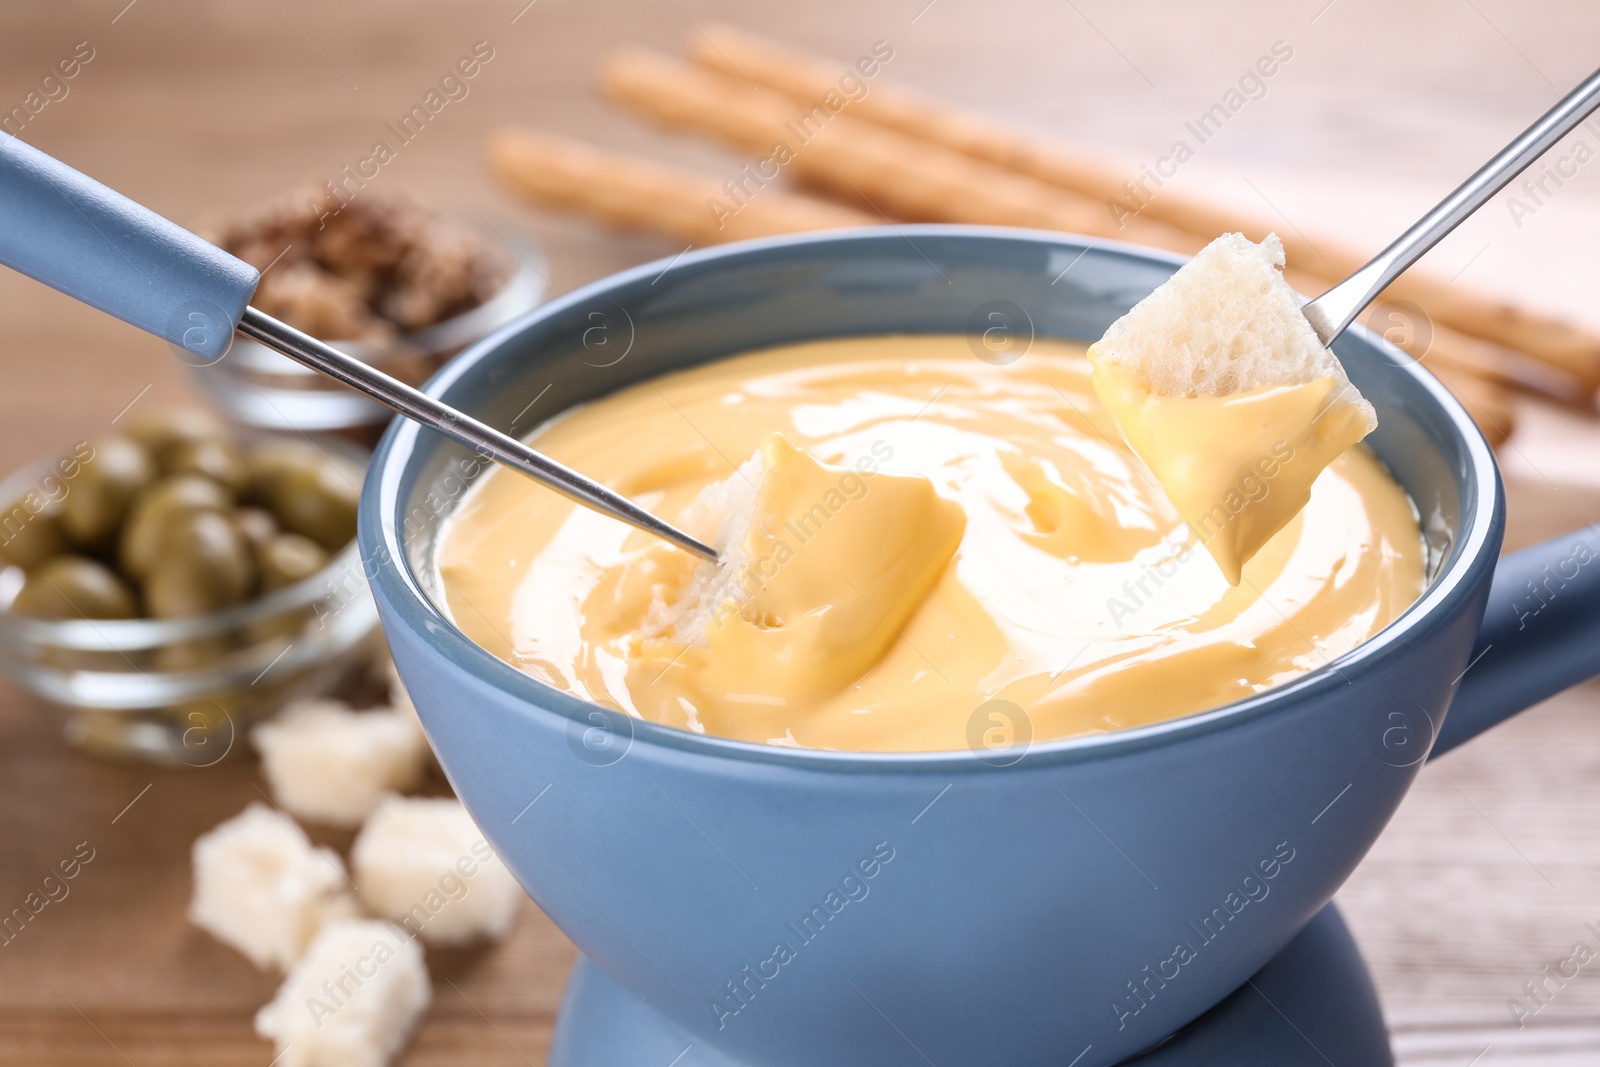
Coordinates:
1540 635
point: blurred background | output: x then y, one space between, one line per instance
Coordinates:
200 110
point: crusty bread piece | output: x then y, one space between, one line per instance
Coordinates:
819 572
327 762
261 886
722 513
1220 385
1226 322
353 999
423 863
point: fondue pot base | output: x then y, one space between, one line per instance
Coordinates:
1313 1004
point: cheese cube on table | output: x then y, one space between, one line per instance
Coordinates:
261 887
424 864
329 763
352 1000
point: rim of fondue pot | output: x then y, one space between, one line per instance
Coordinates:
1084 900
1093 282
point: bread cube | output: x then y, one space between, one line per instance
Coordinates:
722 514
788 634
327 762
261 887
352 1000
1226 322
1227 327
424 864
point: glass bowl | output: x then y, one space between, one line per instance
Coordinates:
258 387
184 691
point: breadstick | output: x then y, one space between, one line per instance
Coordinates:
1490 406
1446 352
1480 359
901 176
803 77
898 175
635 193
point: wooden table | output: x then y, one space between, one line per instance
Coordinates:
1489 871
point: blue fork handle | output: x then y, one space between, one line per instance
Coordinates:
73 234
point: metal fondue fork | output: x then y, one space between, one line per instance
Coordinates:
1333 311
418 406
90 242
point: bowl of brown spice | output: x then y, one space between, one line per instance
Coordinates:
380 277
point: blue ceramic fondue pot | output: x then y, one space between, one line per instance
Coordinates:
795 907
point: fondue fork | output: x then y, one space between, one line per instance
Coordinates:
485 440
76 235
94 244
1332 312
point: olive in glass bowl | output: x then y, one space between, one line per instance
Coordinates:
167 585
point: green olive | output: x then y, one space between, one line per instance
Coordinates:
204 567
144 535
319 502
256 526
266 466
289 558
73 587
30 531
98 498
157 431
215 457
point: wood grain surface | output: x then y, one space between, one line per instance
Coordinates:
1490 870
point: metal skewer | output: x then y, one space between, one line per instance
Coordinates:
463 429
94 244
1333 311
